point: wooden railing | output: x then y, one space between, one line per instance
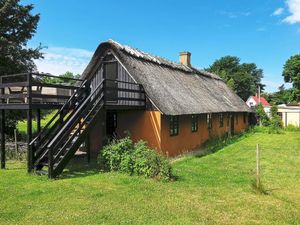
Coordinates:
35 88
61 137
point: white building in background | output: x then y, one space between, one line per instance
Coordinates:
289 114
255 100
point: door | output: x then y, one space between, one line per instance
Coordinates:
111 124
111 76
232 123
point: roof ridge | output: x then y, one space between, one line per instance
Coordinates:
135 52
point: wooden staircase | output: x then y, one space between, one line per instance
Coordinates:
57 143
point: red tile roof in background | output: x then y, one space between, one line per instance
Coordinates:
263 101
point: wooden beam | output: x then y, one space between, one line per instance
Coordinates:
38 118
2 139
2 130
29 127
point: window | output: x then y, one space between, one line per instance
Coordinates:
236 118
221 119
174 125
209 121
194 123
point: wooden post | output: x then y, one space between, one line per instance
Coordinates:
257 166
16 141
38 118
2 130
3 139
29 125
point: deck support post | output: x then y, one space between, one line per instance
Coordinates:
29 138
38 118
29 125
3 159
2 130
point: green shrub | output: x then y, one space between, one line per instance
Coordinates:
275 125
262 116
125 156
114 155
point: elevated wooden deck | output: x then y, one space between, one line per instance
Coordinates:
35 91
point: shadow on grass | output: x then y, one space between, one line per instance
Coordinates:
78 167
216 144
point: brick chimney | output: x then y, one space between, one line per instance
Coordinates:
185 58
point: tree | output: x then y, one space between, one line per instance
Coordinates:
17 26
242 78
262 116
60 78
291 71
282 96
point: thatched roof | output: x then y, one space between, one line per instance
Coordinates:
175 89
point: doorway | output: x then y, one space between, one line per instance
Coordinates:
111 124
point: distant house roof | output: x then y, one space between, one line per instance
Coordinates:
263 101
174 88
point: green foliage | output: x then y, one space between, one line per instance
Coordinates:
275 125
291 71
63 78
282 96
17 27
243 78
125 156
262 116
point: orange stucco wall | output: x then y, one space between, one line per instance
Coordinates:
141 125
153 127
187 140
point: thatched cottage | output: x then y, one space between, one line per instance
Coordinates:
184 106
123 91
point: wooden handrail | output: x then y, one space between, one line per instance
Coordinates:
57 113
73 118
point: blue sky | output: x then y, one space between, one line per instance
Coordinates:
266 32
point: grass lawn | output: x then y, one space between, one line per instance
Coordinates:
22 125
214 189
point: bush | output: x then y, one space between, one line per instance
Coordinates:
275 125
262 116
125 156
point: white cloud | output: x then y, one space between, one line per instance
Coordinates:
278 12
58 60
294 8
